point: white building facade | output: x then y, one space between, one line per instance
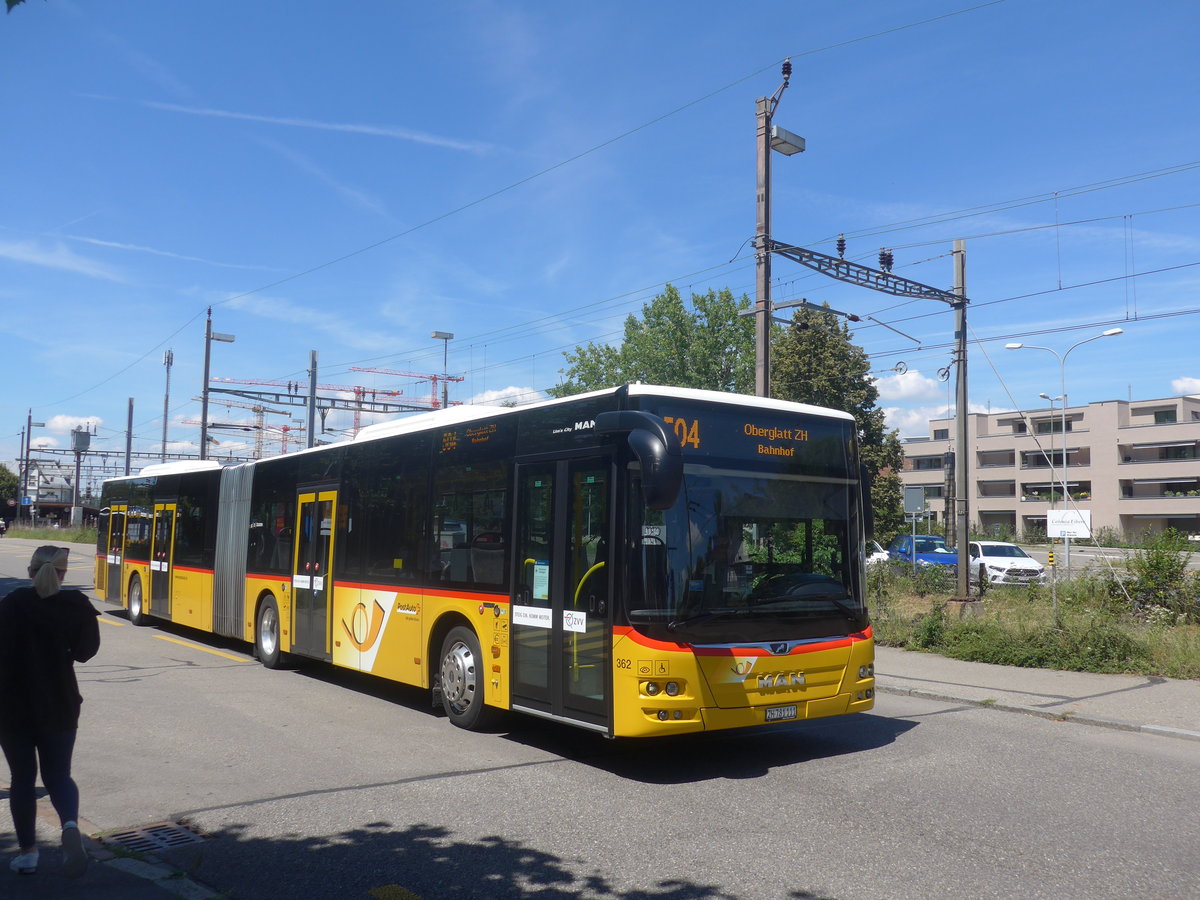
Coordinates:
1134 465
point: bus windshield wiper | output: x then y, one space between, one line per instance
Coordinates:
706 617
835 599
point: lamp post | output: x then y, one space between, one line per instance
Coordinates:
769 137
446 337
1062 380
209 337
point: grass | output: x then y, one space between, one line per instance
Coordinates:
76 535
1097 628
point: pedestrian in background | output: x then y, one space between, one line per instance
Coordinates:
44 631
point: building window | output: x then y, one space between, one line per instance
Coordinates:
1054 426
941 434
1019 428
1164 417
926 463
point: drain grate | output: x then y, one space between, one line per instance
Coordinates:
163 836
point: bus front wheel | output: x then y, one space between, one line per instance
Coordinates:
462 678
137 614
266 635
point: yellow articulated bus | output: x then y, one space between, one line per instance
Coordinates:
638 561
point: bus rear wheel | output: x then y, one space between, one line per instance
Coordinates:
462 678
137 614
266 635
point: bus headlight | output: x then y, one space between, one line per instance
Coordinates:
867 671
652 688
672 688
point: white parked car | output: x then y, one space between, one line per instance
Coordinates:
1003 563
876 555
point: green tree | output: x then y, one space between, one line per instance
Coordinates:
814 360
702 345
8 485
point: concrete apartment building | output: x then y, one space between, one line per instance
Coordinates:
1134 464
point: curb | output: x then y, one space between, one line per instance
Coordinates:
143 865
1081 718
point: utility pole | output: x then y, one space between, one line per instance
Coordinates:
168 360
312 398
768 137
209 337
963 451
129 439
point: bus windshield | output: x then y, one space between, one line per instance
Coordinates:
748 557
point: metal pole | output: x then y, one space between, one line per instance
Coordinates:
312 398
204 392
129 439
445 373
762 256
963 454
25 466
1062 367
168 359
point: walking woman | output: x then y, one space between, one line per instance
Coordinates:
44 631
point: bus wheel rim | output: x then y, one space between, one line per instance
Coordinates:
458 677
269 635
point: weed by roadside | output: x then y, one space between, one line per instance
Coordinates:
1100 627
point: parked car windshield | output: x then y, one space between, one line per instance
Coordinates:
1005 550
932 545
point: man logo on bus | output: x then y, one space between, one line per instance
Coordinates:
363 633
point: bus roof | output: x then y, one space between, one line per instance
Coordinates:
466 413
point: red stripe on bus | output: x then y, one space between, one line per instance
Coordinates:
639 638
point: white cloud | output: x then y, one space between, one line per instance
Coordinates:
911 385
334 324
62 424
519 396
1185 385
388 131
58 256
136 249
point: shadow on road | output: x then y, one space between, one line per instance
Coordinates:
377 860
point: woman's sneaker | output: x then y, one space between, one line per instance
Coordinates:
75 857
25 864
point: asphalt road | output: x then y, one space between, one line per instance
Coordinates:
317 784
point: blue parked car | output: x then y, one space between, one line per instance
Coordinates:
931 550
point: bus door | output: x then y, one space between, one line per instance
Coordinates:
162 549
312 576
561 608
116 552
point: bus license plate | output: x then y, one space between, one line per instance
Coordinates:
779 713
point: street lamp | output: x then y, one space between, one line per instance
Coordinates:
209 337
1062 379
770 137
446 337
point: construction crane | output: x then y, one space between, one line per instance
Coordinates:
433 401
260 412
295 392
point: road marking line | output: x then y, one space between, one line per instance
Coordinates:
113 622
163 637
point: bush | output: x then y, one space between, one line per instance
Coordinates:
1159 577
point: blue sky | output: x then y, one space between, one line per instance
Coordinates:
348 178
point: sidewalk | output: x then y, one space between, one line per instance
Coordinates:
1162 706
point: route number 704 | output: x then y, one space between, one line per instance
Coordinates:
687 431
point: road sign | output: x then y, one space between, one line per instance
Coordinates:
1069 523
27 501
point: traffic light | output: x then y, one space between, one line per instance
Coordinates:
841 246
